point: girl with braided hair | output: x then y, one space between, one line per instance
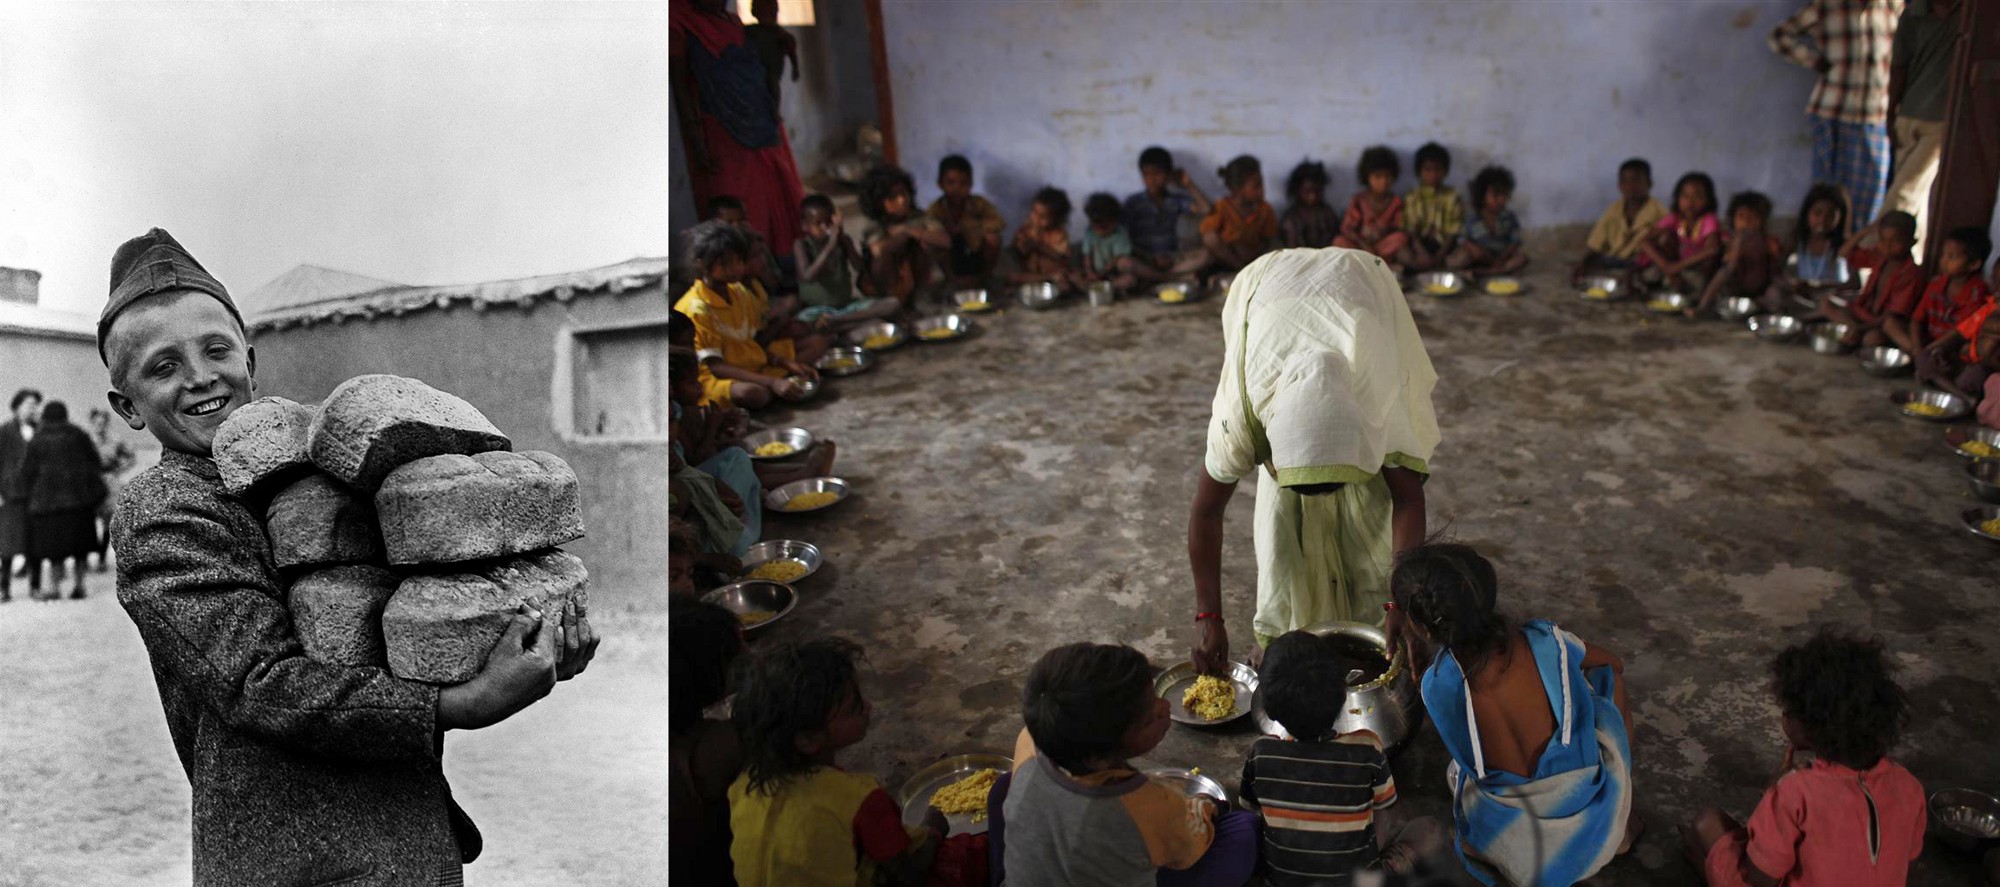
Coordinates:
1536 722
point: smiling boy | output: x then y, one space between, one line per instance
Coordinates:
302 772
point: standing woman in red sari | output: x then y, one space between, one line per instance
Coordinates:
736 144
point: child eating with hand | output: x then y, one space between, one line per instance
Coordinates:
1614 241
1684 246
1893 288
1433 215
1749 262
1492 242
1958 290
972 221
1374 219
1308 222
1041 244
1242 226
1852 816
748 354
828 262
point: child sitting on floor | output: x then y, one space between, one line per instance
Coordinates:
1433 216
1852 816
763 264
1153 216
1308 221
828 262
1374 219
745 361
797 818
710 436
972 221
1318 792
1107 248
703 755
1076 811
1242 225
1041 244
1822 229
1492 242
1686 244
901 244
1958 290
1894 286
1965 355
1750 261
1616 238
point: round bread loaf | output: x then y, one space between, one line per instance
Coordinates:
262 446
446 509
440 627
317 521
372 425
337 613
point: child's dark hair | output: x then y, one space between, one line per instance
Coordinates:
1897 220
1156 157
1701 180
1451 590
1297 681
1057 200
816 203
954 163
680 327
682 362
878 184
1240 170
702 639
1753 201
1308 172
1644 167
712 241
1082 698
1101 208
1842 691
1977 243
784 693
55 412
1836 195
1492 178
720 202
1376 158
1432 152
23 396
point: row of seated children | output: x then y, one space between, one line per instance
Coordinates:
761 798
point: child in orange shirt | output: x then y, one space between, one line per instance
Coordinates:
747 352
1374 220
1954 294
1243 224
1041 244
1893 289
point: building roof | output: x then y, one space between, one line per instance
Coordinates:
306 285
35 320
396 300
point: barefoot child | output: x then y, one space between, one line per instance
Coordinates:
744 359
1374 219
902 246
1686 244
1107 248
301 771
1153 216
1242 226
1293 784
1958 290
971 220
1433 215
827 263
1492 242
1041 244
1816 263
1893 288
798 820
1852 816
1308 221
1615 240
711 437
1750 261
1965 357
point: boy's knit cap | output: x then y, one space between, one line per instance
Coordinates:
150 264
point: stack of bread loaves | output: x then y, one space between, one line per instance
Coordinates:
408 532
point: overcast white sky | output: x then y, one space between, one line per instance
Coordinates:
418 142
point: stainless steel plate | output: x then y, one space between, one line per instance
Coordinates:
1172 684
915 796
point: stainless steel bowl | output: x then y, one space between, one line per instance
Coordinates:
1983 475
846 361
1668 302
1038 295
1504 286
1777 327
1189 290
806 553
1612 287
959 326
1958 439
1967 820
972 300
915 795
860 335
1736 309
1101 293
1885 361
1973 517
775 499
1220 283
1443 284
1172 684
799 439
1953 407
755 596
1189 783
1388 706
808 388
1826 337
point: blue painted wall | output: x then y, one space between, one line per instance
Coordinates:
1561 92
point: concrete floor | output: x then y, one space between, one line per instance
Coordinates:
1679 492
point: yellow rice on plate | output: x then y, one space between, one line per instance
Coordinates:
842 363
967 795
1439 289
1598 292
1173 295
878 341
975 306
776 448
1920 408
781 570
1210 698
1990 527
755 618
810 501
1503 287
938 332
1979 448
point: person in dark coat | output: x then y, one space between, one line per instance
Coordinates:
302 772
14 437
64 483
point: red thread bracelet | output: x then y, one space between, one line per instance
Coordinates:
1215 616
1389 606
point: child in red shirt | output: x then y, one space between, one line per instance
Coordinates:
1955 294
1852 816
1892 291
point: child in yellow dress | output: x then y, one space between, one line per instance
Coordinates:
748 356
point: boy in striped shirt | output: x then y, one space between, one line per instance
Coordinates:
1317 793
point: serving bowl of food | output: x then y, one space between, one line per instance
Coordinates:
1443 283
1038 295
1601 288
806 496
845 361
1204 700
1885 361
972 301
1931 406
1777 327
1982 521
781 560
878 336
757 603
944 328
777 443
1974 443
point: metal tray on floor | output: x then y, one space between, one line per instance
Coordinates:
915 796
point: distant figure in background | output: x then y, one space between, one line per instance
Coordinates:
1492 243
775 46
903 247
117 457
1848 42
1041 244
1750 261
1374 220
727 209
1686 244
972 221
64 483
15 435
1432 213
1824 226
1242 226
1153 216
828 264
1894 287
1615 239
729 122
1919 70
1308 222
